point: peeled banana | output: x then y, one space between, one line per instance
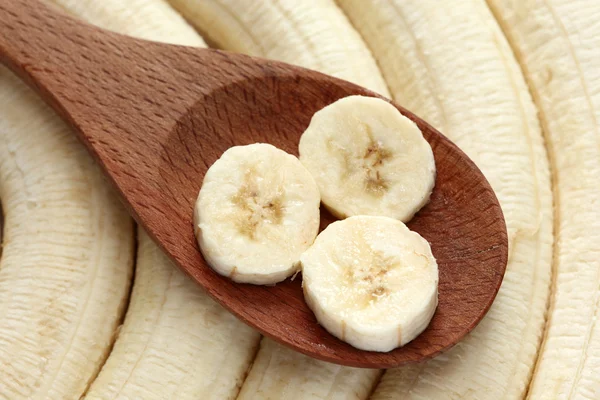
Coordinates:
449 63
557 44
67 254
146 19
371 282
257 212
313 34
175 341
280 373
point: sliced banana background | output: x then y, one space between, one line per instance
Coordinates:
257 211
371 282
368 159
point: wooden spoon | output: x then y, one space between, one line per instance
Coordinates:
156 116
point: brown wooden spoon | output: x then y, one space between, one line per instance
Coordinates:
156 116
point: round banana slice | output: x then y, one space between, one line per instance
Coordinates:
368 159
257 211
371 282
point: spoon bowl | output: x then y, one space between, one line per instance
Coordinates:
156 116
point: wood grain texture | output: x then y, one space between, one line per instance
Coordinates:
156 116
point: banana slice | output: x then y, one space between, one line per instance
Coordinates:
257 211
368 159
371 282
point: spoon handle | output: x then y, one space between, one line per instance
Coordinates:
104 84
36 41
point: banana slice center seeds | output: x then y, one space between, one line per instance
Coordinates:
257 209
368 159
256 213
369 276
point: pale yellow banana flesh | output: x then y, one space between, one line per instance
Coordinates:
176 342
257 212
449 63
146 19
368 159
371 282
436 59
67 254
557 43
313 34
279 373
